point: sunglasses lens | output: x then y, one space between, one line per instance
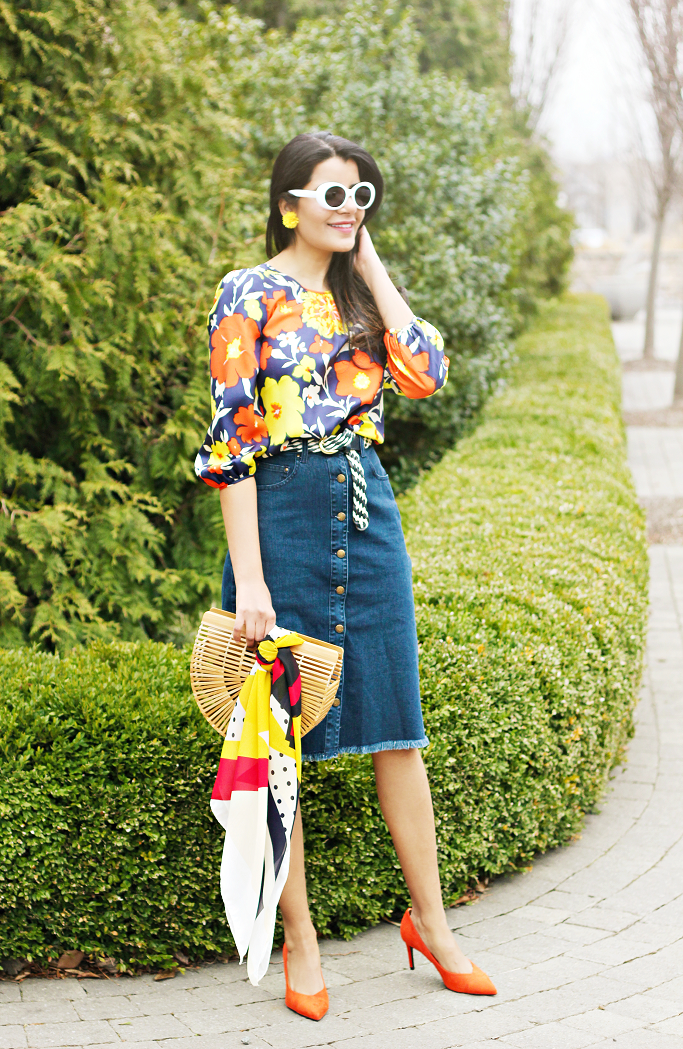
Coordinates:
335 196
362 196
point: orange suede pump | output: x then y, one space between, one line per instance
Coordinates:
314 1006
476 982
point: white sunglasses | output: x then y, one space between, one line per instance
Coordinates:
333 196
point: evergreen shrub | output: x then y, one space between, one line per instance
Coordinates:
530 576
135 152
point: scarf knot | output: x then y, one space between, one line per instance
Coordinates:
266 653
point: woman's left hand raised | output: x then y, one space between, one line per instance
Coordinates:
395 312
366 259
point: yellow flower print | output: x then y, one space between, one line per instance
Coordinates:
304 368
253 309
368 428
432 333
282 408
219 456
319 311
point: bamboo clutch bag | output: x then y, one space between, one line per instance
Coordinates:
219 666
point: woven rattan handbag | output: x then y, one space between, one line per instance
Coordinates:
220 665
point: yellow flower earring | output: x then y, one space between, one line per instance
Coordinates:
290 220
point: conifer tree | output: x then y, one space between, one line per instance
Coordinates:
135 147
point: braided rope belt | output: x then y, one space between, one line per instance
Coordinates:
339 442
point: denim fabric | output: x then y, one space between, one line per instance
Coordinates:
299 499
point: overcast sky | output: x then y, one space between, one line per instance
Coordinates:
598 90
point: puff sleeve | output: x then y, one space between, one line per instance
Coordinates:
238 430
416 363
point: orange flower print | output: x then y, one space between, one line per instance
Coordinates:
266 350
408 371
284 364
250 427
319 311
318 346
283 314
232 349
359 378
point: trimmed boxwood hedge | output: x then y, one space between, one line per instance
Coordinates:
530 580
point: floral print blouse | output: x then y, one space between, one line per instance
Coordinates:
282 367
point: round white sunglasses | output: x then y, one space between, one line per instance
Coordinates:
332 195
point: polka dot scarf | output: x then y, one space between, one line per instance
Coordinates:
255 797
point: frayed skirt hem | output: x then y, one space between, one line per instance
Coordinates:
371 748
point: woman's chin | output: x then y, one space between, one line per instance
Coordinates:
342 242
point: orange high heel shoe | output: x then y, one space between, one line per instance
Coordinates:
476 982
314 1006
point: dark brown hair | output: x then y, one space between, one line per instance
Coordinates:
292 169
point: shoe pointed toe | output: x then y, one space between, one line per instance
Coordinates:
476 982
312 1006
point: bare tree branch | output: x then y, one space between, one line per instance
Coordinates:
542 32
659 26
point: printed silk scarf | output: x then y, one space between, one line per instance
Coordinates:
256 794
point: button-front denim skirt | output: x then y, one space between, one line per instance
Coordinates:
351 588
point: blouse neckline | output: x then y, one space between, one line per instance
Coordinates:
311 291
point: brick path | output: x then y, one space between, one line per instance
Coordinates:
586 948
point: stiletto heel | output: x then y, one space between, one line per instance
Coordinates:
312 1006
476 982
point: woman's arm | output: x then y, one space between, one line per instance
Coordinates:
416 363
394 310
255 615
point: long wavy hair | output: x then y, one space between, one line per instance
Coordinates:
293 169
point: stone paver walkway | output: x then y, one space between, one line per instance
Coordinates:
629 335
647 391
586 948
656 458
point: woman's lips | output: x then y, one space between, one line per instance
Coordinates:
344 227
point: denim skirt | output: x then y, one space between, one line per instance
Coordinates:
354 589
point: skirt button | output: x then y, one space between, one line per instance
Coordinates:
341 516
341 553
336 702
339 628
341 478
340 589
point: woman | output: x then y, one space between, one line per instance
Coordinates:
301 349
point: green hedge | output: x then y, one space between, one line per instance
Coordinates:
530 579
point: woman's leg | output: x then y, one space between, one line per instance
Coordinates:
406 802
303 956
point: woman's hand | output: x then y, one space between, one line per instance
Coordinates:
394 310
367 260
255 616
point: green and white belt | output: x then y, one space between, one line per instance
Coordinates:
349 443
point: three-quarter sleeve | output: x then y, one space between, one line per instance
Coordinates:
416 363
238 430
